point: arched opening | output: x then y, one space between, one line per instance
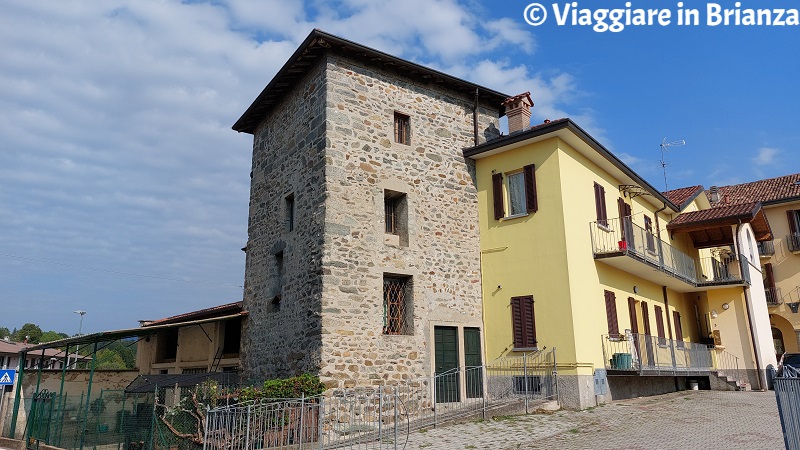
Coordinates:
783 335
777 342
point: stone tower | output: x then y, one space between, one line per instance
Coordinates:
363 263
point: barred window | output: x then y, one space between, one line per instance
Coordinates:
397 309
402 128
391 214
395 206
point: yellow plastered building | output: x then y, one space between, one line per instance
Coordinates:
580 254
780 257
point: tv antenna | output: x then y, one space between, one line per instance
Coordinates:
664 149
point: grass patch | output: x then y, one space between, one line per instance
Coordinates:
574 430
505 418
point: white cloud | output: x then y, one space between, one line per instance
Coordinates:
116 149
766 156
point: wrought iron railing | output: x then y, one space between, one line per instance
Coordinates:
622 237
382 417
773 297
714 271
625 237
655 356
727 365
793 242
766 248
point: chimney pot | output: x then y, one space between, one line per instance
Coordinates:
518 111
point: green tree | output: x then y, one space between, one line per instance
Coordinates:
4 332
109 359
29 330
50 336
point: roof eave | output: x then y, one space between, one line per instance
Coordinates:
558 125
254 114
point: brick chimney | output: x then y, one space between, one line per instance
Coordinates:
518 111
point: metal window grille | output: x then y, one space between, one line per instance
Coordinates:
390 206
394 305
401 129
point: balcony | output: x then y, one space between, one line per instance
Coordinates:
721 271
773 298
652 355
793 242
766 249
629 247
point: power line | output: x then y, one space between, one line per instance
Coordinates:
117 272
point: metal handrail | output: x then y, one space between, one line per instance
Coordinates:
623 237
772 296
766 248
652 354
793 242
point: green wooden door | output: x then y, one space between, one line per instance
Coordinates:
473 362
445 341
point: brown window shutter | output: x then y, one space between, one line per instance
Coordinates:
611 314
676 317
621 208
632 313
497 191
522 315
600 204
532 203
770 276
646 318
659 324
516 321
794 227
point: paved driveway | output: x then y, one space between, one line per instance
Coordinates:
681 420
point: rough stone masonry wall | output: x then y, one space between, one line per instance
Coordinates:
288 158
442 254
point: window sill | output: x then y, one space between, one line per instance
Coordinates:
391 239
515 216
525 349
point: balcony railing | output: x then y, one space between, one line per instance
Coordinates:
773 298
625 237
655 356
715 271
617 238
766 249
793 242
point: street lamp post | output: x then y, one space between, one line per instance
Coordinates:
77 348
80 327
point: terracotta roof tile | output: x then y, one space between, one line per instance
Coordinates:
765 191
682 195
220 310
710 215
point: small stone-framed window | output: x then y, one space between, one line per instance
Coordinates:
402 128
395 207
398 309
289 212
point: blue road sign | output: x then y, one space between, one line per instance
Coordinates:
7 377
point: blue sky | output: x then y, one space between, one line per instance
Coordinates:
124 192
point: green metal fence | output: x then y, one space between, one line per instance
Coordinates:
144 417
113 419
